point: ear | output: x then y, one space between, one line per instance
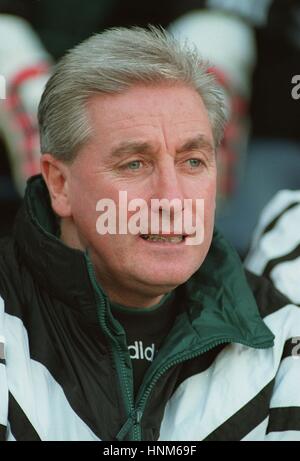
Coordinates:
55 174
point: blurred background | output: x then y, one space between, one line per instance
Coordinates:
254 50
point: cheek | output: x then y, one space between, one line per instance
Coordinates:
209 196
207 192
83 208
82 203
85 194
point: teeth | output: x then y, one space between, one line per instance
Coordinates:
160 238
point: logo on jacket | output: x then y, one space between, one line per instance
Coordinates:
137 351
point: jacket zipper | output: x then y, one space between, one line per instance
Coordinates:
117 354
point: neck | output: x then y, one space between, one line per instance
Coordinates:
122 295
133 300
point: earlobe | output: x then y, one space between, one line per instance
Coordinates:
55 175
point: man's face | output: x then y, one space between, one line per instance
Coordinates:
152 142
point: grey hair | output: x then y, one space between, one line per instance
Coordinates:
111 62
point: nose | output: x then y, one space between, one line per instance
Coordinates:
167 185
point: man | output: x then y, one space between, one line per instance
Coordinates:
139 335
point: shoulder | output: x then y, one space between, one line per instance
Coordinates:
280 315
268 298
283 318
7 259
12 277
275 250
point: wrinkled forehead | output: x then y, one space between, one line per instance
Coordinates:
145 114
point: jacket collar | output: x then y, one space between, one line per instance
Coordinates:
59 269
218 299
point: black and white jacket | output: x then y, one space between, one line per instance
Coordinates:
228 370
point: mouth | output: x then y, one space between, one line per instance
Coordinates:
175 239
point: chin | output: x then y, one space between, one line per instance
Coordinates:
168 279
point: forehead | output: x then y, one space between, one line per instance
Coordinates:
172 110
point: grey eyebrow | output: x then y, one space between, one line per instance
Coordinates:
197 143
131 147
134 147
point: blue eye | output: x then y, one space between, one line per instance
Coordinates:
194 162
134 165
